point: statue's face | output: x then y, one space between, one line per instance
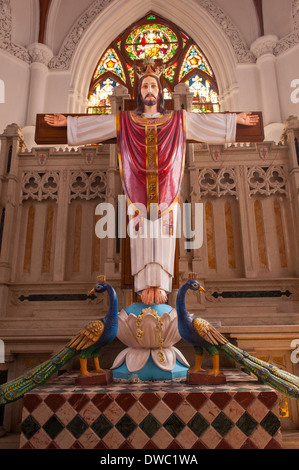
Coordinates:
149 91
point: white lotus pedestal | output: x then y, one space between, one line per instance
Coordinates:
149 333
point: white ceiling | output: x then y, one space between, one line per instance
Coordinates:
64 13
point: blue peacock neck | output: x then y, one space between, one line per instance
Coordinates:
183 316
112 314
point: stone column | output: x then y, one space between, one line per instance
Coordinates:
247 223
263 49
61 241
291 135
40 56
12 142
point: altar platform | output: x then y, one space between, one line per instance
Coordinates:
241 414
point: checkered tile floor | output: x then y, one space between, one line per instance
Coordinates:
152 415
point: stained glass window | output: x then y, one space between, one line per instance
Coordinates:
151 40
99 102
194 60
205 97
153 36
170 72
110 63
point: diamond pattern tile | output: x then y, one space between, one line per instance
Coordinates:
198 424
221 399
211 438
54 402
151 415
126 426
102 401
173 400
126 400
29 427
101 426
271 423
174 425
150 425
223 445
31 402
77 426
222 424
247 424
53 427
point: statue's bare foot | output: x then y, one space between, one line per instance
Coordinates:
160 296
148 296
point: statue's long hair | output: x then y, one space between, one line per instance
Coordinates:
140 104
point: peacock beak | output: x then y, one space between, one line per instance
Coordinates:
202 289
92 292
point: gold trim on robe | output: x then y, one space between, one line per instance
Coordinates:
151 154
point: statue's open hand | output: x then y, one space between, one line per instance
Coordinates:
247 119
56 120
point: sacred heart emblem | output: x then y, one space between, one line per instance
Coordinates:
42 158
264 153
89 158
216 154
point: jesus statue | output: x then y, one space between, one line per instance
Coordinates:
151 144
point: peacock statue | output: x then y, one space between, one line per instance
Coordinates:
87 343
202 335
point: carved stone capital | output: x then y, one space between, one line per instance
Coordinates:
264 45
40 53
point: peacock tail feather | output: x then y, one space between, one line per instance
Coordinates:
282 381
16 389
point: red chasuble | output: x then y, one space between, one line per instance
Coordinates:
151 158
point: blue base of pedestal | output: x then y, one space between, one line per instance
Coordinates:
150 372
137 308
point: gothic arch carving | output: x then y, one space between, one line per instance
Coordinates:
64 58
5 33
293 38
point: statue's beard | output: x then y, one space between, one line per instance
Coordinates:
150 100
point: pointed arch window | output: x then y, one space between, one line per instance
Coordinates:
194 59
156 37
110 63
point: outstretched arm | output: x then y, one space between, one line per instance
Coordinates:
82 130
212 128
217 128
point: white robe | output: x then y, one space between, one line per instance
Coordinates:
152 257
